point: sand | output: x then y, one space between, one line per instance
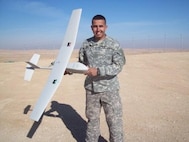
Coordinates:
154 92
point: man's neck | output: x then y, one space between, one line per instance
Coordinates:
99 39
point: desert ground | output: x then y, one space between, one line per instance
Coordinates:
154 92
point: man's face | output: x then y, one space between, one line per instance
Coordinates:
99 27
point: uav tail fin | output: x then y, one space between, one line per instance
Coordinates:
31 66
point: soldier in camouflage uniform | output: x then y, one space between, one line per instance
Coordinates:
105 60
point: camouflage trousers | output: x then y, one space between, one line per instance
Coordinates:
111 103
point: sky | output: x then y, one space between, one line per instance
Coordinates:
27 24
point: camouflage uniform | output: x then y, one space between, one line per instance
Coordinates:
103 90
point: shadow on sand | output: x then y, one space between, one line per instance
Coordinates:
73 121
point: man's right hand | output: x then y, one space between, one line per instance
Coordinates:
67 72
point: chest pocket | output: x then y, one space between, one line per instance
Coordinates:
98 56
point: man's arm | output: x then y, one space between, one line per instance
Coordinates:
117 63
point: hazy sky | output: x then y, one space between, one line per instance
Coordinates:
134 23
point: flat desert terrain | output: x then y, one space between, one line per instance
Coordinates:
154 92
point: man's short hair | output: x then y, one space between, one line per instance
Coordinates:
99 17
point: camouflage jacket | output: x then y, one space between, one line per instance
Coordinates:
108 57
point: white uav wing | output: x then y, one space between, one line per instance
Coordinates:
59 66
29 69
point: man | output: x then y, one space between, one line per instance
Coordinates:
105 60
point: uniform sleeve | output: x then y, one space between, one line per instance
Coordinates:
82 57
118 60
